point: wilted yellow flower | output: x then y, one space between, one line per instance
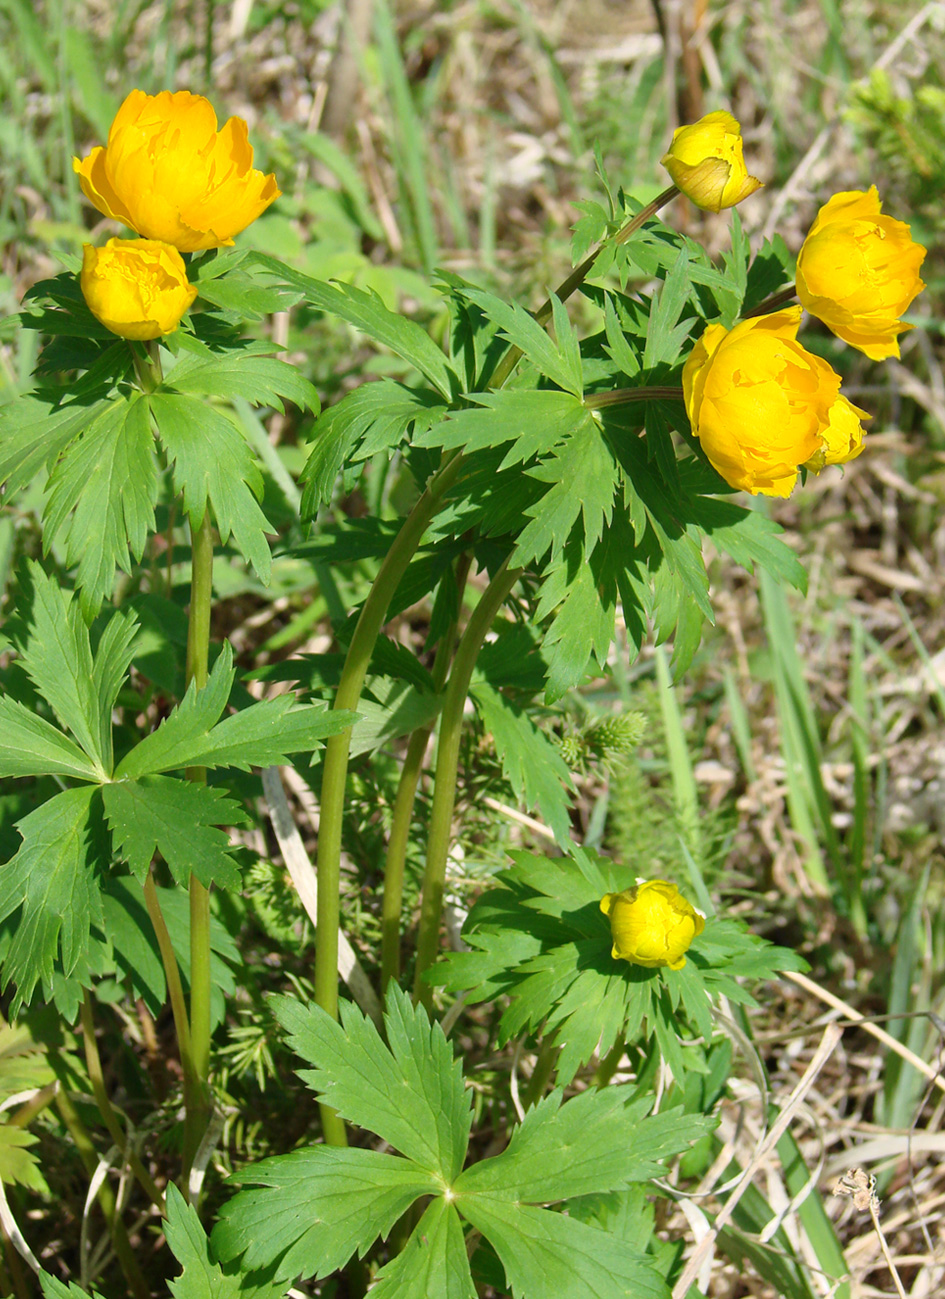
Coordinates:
705 160
652 924
761 405
137 288
858 271
168 173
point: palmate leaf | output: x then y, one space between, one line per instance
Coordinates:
18 1165
411 1095
35 430
52 879
433 1261
530 761
319 1206
542 940
262 735
107 481
202 1277
366 312
533 422
313 1208
53 1288
373 418
30 746
582 597
535 1245
213 463
559 361
178 819
261 380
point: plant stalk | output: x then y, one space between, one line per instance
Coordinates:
577 277
175 988
93 1063
197 1112
545 1063
624 396
447 764
779 299
396 859
335 771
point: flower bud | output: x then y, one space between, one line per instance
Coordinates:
705 161
169 174
761 404
858 271
652 924
137 288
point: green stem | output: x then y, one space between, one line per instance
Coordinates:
106 1196
779 299
545 1063
335 771
577 278
447 764
624 396
93 1063
197 1113
175 988
396 859
608 1066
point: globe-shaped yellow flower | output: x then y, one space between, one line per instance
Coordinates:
858 271
652 924
137 288
705 160
761 404
169 174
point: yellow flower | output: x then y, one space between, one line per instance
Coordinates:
761 405
137 288
843 436
705 160
858 271
652 924
169 174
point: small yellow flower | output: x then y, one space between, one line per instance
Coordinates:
652 924
705 160
843 436
137 288
169 174
858 271
761 405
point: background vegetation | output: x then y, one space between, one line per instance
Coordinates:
800 773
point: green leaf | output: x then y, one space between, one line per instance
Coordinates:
178 819
318 1207
535 1245
212 462
583 478
533 422
432 1263
107 480
261 380
18 1165
34 431
373 418
524 331
262 735
596 1142
530 761
57 657
52 879
583 626
202 1276
664 338
30 746
411 1094
53 1288
366 312
242 293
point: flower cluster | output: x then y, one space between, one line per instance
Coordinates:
168 174
761 405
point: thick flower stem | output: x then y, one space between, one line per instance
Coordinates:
198 653
396 858
334 775
624 396
577 277
447 764
608 1066
545 1063
175 989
